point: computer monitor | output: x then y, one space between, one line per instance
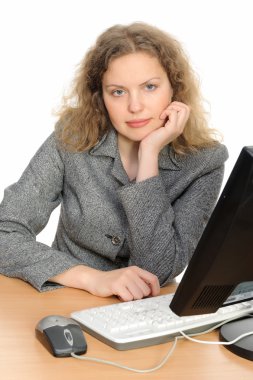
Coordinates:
224 255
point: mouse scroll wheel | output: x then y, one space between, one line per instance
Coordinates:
69 337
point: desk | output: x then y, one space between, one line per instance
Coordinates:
22 356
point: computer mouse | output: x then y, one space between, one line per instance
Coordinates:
61 336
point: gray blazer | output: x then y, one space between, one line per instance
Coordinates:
106 221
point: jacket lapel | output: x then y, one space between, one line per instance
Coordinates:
108 146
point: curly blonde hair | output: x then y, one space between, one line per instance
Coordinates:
83 118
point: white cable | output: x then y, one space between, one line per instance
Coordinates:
97 360
221 343
217 325
183 335
189 337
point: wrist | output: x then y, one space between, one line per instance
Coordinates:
147 150
89 279
148 163
80 277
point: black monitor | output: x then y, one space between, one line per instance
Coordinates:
224 255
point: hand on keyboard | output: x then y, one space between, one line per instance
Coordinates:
131 283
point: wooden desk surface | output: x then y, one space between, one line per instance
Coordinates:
22 356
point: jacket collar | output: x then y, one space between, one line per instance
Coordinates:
108 146
168 159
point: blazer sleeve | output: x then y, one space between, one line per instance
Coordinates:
163 235
24 212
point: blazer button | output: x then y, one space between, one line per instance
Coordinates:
114 239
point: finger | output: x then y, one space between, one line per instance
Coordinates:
135 291
172 118
151 280
139 288
183 116
167 113
163 115
177 106
130 286
154 286
124 294
183 113
177 121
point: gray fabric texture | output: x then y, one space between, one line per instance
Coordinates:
107 221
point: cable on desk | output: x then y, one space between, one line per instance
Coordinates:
122 366
183 335
214 342
189 336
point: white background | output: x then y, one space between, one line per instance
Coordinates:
41 42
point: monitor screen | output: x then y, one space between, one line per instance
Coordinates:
223 258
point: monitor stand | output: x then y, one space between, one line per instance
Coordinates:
232 330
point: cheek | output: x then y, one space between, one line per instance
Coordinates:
116 111
160 123
159 107
109 106
113 112
163 103
106 103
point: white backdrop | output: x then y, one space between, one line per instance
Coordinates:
41 43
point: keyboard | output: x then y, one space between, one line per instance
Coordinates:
149 321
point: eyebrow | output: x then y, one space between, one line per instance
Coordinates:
120 85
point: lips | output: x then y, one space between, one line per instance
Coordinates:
137 123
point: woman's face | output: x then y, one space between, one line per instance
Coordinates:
136 90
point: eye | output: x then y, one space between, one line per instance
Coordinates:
118 92
151 87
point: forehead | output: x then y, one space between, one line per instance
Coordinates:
130 66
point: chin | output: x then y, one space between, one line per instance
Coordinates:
139 135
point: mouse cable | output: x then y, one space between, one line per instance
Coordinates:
97 360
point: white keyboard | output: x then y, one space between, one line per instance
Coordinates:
149 321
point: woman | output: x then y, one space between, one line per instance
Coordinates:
133 165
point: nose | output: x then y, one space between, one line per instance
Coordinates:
135 104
